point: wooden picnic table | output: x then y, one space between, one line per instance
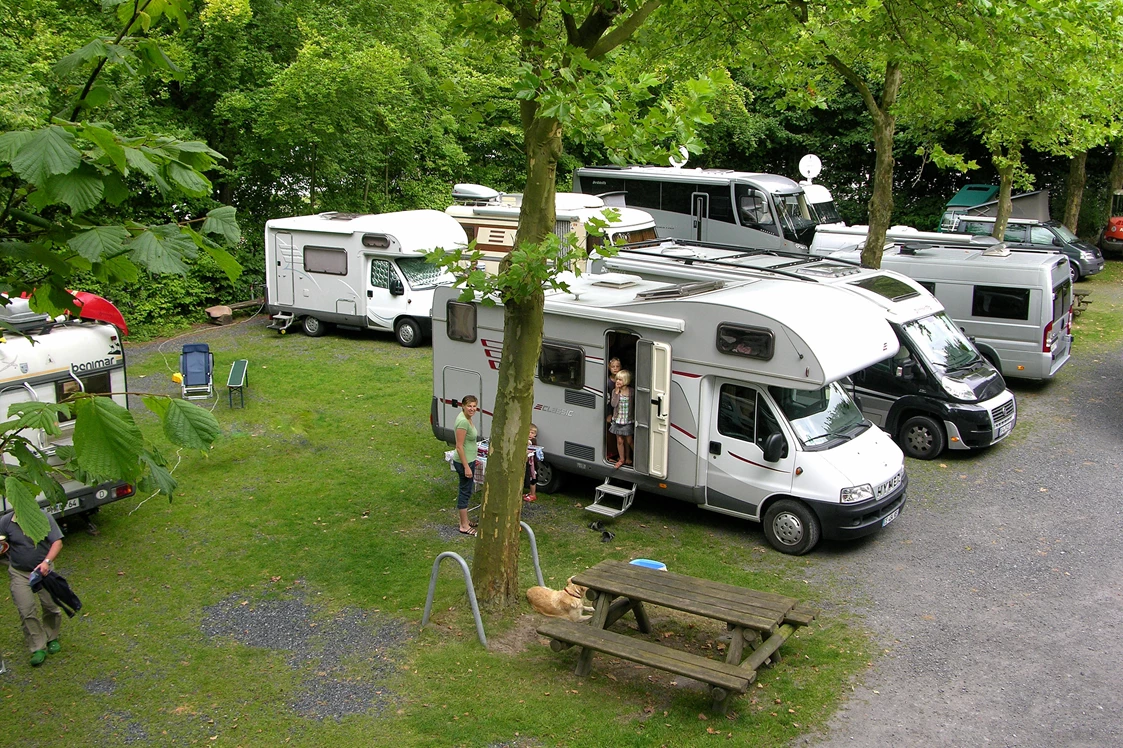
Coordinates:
760 622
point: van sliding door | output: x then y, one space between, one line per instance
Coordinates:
285 275
652 406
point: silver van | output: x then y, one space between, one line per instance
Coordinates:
1084 259
1014 304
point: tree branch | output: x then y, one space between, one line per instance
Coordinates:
137 10
624 31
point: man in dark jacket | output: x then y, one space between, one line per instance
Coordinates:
24 557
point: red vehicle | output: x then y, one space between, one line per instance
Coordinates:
1111 240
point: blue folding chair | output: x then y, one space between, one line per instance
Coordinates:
196 364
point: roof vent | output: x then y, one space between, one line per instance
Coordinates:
999 249
912 248
337 216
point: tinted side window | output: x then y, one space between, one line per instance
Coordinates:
1002 303
736 412
1015 234
676 197
562 365
974 228
599 185
1041 235
928 286
721 205
751 342
325 260
642 193
461 323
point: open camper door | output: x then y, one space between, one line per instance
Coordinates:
455 384
653 400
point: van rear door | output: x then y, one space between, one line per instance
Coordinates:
652 406
1057 337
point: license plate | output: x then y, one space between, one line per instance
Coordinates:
60 508
1003 430
892 516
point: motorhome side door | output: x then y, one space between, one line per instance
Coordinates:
387 293
653 400
282 244
700 214
738 478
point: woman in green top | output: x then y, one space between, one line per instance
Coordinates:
466 453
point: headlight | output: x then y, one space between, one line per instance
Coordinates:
958 390
1086 254
854 494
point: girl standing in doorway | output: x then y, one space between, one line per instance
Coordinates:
620 422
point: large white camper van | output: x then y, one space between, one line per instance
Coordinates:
50 361
492 219
357 270
711 205
739 408
938 392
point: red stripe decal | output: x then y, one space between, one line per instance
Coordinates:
680 428
686 374
757 464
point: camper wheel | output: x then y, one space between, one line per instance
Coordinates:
313 327
408 332
922 438
791 527
549 478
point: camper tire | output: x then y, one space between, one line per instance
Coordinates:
791 527
313 327
408 332
549 478
922 438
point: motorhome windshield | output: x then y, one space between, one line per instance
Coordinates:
939 342
820 416
824 213
793 216
419 273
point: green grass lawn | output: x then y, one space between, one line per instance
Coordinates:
278 598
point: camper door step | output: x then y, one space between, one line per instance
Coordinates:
281 321
625 493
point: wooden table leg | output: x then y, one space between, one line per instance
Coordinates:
600 615
642 621
736 646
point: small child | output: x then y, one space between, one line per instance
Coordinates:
620 422
614 367
530 477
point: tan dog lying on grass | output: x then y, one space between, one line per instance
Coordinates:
564 603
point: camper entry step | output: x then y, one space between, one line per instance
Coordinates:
623 493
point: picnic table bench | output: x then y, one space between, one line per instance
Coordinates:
760 623
1080 301
237 381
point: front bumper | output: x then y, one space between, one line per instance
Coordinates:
849 521
983 424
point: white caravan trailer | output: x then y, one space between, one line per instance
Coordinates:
710 205
937 392
358 271
1014 304
52 360
492 219
739 409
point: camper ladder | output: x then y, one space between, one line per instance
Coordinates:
625 493
281 321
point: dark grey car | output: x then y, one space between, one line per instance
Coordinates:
1084 259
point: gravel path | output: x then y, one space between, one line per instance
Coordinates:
997 595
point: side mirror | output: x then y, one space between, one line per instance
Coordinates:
1057 241
774 447
396 287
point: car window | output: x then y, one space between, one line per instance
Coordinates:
1041 235
1015 234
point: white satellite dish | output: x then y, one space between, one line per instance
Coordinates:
685 157
810 166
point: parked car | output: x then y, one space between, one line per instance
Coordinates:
1111 238
1084 259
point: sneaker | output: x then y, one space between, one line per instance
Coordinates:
38 657
53 647
528 497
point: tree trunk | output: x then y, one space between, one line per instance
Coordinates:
312 183
1004 161
1074 190
495 570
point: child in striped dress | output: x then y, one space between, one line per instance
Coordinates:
621 421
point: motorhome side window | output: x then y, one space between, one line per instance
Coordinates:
751 342
461 321
928 286
95 384
380 273
752 206
562 365
325 260
1002 303
736 412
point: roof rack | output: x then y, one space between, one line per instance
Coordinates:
680 289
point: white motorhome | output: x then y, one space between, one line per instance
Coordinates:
492 219
50 361
710 205
937 392
357 270
1014 304
739 408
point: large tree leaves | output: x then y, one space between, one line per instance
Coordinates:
161 249
36 415
188 425
34 470
30 518
99 242
106 439
222 221
80 189
47 152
